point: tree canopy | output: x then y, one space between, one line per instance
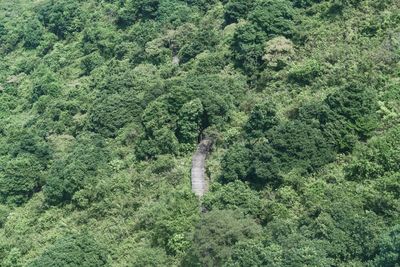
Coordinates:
104 103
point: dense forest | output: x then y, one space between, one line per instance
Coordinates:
103 103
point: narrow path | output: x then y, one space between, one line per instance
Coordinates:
199 183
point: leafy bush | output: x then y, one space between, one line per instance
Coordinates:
190 121
216 235
262 118
389 252
19 179
247 46
236 163
70 174
111 112
378 158
275 18
305 73
73 250
61 17
293 145
237 9
133 10
235 196
33 34
358 105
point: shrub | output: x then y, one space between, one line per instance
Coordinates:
237 9
274 17
61 17
236 163
70 174
73 250
217 234
19 179
190 120
262 118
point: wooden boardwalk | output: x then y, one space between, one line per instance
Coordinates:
199 182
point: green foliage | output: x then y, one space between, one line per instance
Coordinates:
33 34
247 47
201 41
217 233
378 158
389 253
237 9
169 222
19 179
135 10
305 73
4 212
111 112
61 17
279 51
293 146
236 163
262 118
90 62
274 17
358 105
79 168
46 83
345 116
102 104
235 195
190 121
161 142
24 141
148 256
254 253
305 3
73 250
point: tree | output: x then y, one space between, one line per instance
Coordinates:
255 253
133 10
160 142
189 124
217 233
70 174
32 34
289 146
19 179
61 17
28 142
171 220
389 248
262 118
247 47
237 9
274 17
357 104
201 41
305 73
111 112
73 250
236 195
156 116
278 52
236 163
305 3
378 158
45 83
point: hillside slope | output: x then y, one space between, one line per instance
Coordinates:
103 103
